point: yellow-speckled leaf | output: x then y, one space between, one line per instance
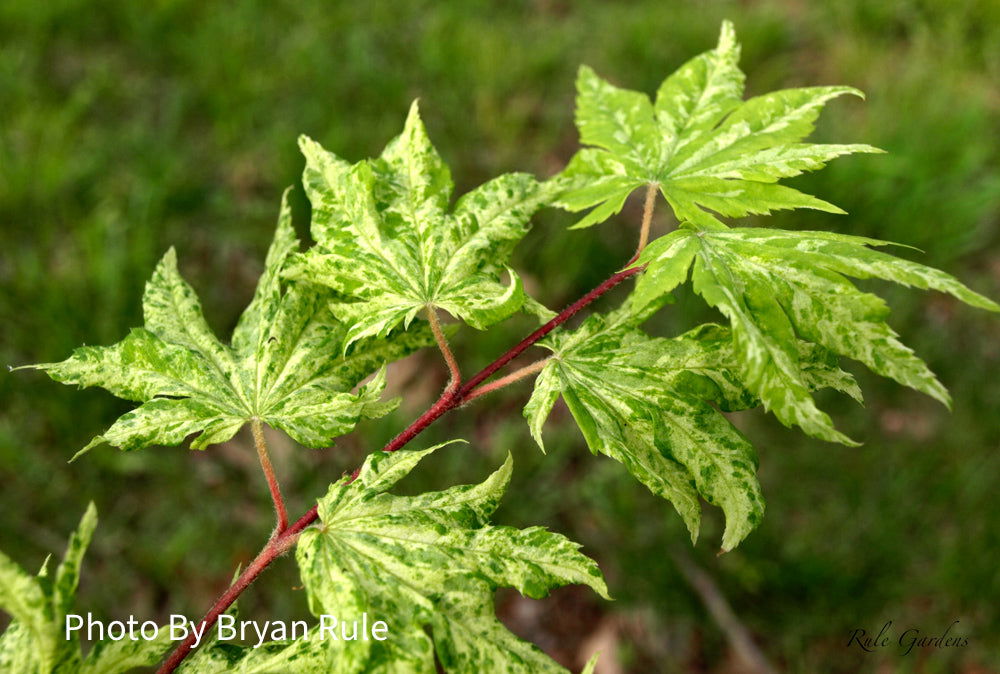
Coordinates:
388 246
434 561
710 153
287 365
780 287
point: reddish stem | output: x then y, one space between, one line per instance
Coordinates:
442 342
538 334
272 482
507 380
449 400
274 548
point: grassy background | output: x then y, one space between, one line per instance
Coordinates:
127 127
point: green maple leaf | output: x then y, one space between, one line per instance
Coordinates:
305 655
432 561
387 244
35 641
779 286
699 142
301 655
284 366
653 404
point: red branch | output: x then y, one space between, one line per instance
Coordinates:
449 400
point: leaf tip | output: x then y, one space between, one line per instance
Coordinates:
940 393
591 665
305 142
601 589
584 72
90 445
413 120
977 300
502 475
508 463
90 514
536 431
727 37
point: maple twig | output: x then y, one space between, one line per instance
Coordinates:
538 334
272 481
506 380
442 342
449 400
647 219
275 547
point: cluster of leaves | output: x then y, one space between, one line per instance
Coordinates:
416 562
432 561
656 404
429 566
791 309
389 246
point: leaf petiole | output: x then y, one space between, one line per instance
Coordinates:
272 481
506 380
442 342
647 219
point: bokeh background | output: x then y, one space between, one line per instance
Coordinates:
126 127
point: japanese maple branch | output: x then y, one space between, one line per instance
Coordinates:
272 482
451 398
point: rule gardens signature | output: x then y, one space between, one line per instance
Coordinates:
908 639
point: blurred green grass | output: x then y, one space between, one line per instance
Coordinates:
127 127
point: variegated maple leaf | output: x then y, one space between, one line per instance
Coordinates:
777 287
309 655
37 640
429 566
284 366
653 405
390 248
703 146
